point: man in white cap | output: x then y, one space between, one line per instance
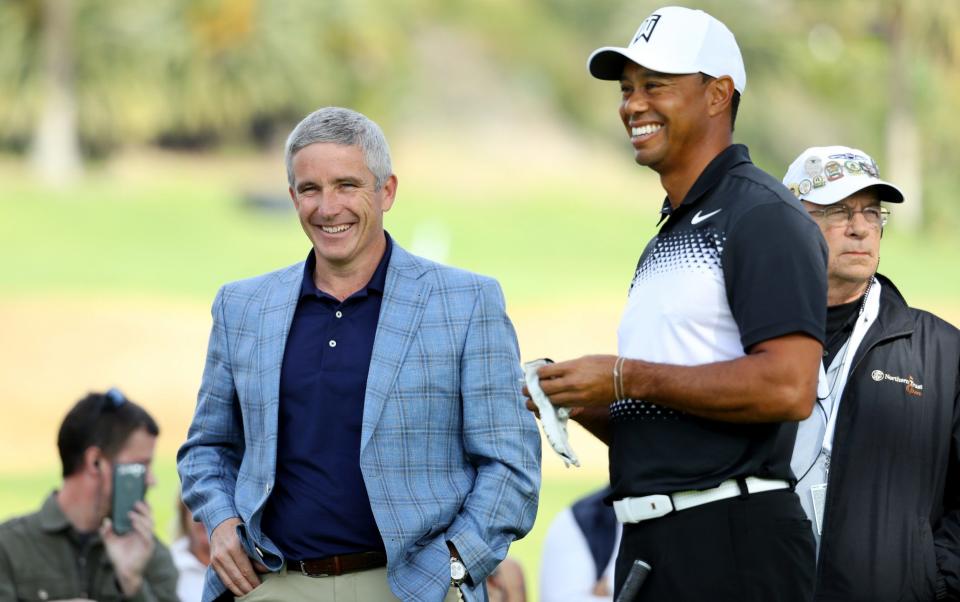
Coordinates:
720 341
877 460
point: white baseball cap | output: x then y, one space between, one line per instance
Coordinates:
825 175
675 40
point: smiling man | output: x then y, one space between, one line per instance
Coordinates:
358 432
878 459
720 341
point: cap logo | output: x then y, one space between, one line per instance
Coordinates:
646 29
813 166
834 171
850 156
816 170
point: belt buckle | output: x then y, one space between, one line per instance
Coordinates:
639 509
649 508
306 573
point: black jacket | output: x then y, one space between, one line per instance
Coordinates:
892 519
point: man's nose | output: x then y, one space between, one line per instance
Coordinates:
858 225
329 204
635 104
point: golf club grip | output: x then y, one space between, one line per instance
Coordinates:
635 578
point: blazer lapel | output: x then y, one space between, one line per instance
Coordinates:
276 315
404 299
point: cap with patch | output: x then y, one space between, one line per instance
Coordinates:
675 40
825 175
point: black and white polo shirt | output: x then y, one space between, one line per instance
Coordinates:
737 263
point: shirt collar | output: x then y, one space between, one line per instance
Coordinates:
733 155
52 518
376 284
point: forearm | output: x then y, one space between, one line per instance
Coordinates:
157 581
208 469
499 437
596 420
132 587
209 493
208 462
500 508
759 387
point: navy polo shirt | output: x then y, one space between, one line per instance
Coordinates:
319 505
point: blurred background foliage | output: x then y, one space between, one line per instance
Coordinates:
83 79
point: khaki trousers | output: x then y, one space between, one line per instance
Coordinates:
362 586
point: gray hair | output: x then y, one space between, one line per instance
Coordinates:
346 127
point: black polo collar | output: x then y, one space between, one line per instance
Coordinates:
730 157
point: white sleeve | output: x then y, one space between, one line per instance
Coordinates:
567 571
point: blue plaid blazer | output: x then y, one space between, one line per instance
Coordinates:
447 452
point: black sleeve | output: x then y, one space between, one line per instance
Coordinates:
775 267
946 534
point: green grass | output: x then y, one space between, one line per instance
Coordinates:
174 237
183 240
23 493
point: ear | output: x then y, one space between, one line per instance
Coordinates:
92 460
389 192
719 95
293 197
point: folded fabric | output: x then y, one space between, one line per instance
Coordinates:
552 419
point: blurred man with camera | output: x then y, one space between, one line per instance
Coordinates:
71 547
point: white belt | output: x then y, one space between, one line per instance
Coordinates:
636 509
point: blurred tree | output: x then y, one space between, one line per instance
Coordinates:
197 73
922 127
56 150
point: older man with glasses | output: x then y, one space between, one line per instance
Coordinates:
877 460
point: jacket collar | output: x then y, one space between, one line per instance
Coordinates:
894 311
52 518
376 283
893 321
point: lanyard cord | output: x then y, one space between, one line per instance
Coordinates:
841 374
846 349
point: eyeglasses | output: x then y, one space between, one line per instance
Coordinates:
841 215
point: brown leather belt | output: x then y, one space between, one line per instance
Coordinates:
334 566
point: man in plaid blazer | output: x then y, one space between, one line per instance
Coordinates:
359 432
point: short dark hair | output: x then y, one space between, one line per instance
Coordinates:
734 102
104 420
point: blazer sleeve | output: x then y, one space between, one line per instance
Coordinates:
209 460
500 438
